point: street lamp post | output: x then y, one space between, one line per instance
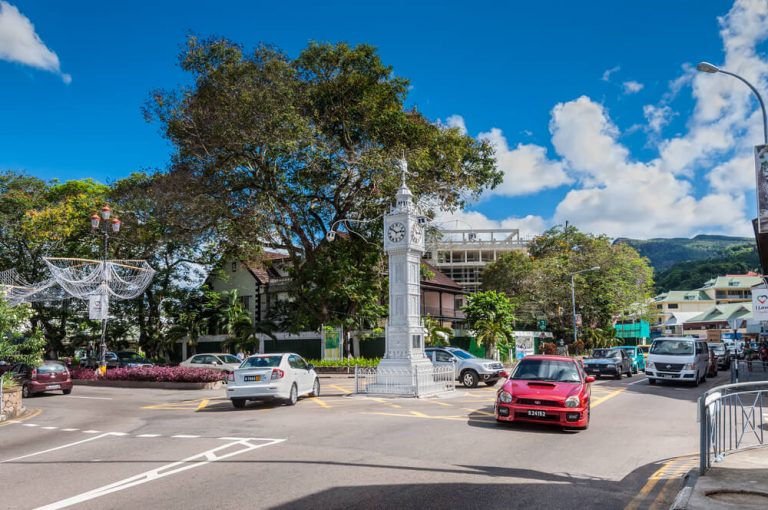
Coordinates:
706 67
573 297
105 229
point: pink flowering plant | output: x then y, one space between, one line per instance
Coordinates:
154 374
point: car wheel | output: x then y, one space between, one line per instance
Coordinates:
25 393
67 392
651 381
629 372
470 378
239 403
293 397
697 380
617 376
589 417
315 388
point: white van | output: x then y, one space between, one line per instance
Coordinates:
678 359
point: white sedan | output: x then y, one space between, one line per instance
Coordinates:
285 376
214 360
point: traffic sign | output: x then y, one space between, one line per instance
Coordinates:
542 324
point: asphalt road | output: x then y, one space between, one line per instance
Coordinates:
134 448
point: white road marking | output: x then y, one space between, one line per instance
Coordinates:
91 431
29 424
148 435
118 433
91 398
50 428
69 430
185 436
54 449
195 461
638 382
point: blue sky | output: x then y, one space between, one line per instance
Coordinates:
594 108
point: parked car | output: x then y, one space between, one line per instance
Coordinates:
468 368
546 389
678 358
130 359
93 361
636 358
213 360
644 348
283 376
722 354
611 361
50 376
4 366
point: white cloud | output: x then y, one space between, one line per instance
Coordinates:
529 226
20 43
632 87
657 117
457 121
618 195
526 168
608 72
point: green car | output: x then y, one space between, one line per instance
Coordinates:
635 354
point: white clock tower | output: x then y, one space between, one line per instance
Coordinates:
404 243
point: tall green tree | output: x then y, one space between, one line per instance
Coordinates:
282 150
539 282
490 315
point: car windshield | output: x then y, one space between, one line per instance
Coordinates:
606 353
629 350
262 362
717 348
672 347
228 358
546 370
461 353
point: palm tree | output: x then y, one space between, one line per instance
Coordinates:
489 332
437 334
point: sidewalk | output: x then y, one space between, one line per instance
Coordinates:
739 481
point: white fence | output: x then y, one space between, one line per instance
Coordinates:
415 382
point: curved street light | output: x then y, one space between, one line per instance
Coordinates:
706 67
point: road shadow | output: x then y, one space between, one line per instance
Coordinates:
480 418
536 489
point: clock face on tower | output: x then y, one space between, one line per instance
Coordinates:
396 232
416 234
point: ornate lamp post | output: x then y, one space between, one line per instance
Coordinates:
109 227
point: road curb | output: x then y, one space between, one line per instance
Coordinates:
27 414
684 494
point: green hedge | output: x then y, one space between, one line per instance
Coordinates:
351 362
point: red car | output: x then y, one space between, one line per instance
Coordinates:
50 376
546 389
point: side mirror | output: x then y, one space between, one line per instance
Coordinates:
589 379
310 367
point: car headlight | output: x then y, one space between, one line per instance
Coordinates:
487 366
572 401
689 366
649 365
505 397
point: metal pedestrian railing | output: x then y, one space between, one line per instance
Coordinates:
747 371
416 382
731 418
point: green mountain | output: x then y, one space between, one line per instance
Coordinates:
663 253
683 264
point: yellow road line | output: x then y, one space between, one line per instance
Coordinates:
609 396
319 402
31 414
202 404
438 403
647 488
341 389
665 491
385 401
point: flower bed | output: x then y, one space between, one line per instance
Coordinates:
151 374
344 363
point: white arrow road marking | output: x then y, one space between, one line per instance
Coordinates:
200 459
57 448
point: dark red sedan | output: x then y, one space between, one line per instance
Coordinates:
50 376
546 389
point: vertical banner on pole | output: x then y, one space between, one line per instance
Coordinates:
98 307
761 175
